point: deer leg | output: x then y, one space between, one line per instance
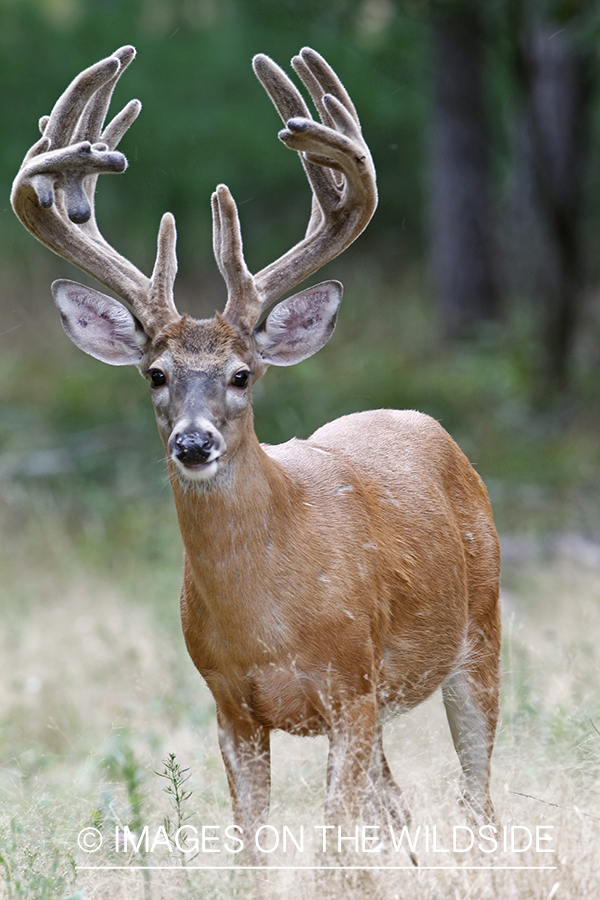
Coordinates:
350 749
385 798
471 700
245 749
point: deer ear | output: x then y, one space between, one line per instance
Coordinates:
299 326
99 325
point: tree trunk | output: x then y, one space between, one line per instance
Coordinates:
460 215
557 81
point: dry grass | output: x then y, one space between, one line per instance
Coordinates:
96 690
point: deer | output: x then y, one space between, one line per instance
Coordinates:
328 583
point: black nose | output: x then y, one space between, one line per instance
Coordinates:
194 447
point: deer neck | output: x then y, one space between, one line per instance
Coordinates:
226 527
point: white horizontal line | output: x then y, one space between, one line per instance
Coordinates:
267 868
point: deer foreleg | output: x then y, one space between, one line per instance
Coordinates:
351 740
384 800
245 748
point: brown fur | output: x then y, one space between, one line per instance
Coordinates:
335 580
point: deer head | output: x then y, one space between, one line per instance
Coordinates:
200 371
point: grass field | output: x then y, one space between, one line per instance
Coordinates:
96 689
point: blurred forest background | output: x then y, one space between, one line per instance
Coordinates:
473 295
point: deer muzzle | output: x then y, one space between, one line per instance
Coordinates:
196 449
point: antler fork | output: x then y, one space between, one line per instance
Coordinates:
53 193
338 166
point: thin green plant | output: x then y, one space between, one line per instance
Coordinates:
176 778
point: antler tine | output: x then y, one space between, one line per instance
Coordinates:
62 122
91 122
285 96
116 128
243 304
344 202
160 307
53 193
57 130
320 79
289 103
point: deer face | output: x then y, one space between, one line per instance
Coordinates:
201 375
200 371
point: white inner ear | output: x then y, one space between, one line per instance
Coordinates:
99 325
300 325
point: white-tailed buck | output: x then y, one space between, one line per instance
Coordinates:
329 582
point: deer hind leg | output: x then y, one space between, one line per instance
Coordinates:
471 700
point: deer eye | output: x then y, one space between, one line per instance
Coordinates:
240 379
157 378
